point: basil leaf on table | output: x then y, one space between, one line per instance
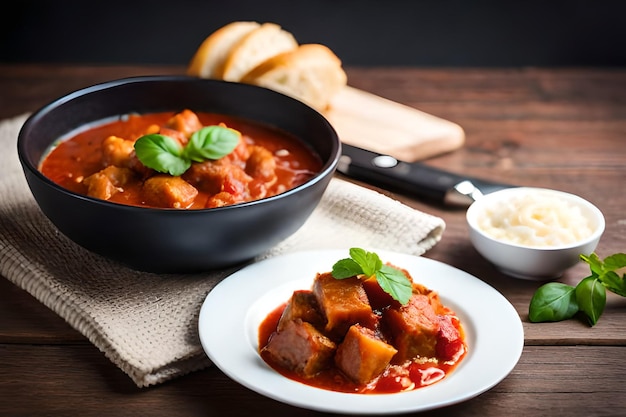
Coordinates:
557 301
606 271
614 283
553 301
591 298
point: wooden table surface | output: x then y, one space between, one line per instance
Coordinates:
561 128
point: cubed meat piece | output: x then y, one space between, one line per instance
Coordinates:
301 348
107 182
214 177
117 151
363 356
413 328
206 176
261 165
121 153
343 303
449 340
302 305
169 192
186 122
433 297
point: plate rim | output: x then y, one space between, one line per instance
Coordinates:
259 377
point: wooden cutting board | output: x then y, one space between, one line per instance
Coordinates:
372 122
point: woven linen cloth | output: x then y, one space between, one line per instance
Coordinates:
146 323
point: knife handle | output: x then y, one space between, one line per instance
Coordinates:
412 178
387 172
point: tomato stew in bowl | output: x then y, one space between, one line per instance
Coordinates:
101 161
175 240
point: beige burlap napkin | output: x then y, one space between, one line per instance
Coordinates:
147 323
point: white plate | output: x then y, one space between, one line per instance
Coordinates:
232 312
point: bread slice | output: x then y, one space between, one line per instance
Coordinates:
209 59
312 73
257 46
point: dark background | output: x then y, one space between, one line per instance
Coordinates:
362 33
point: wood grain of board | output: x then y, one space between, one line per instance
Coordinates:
375 123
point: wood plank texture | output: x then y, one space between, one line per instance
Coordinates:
375 123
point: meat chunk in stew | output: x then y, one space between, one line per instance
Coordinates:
184 124
262 165
169 192
343 303
218 176
413 328
363 355
121 153
299 346
117 151
302 305
107 182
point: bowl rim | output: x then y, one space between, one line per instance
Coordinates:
327 169
476 206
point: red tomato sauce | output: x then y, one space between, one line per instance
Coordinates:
79 156
402 377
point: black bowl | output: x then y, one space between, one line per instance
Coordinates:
176 241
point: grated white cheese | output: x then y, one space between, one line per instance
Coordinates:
536 219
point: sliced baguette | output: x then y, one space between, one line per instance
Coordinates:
209 59
255 47
312 73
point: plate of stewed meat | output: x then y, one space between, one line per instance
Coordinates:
360 331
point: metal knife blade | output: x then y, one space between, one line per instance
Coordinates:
413 178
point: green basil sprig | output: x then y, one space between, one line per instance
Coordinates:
361 262
165 154
556 301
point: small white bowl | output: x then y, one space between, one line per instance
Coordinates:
534 233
